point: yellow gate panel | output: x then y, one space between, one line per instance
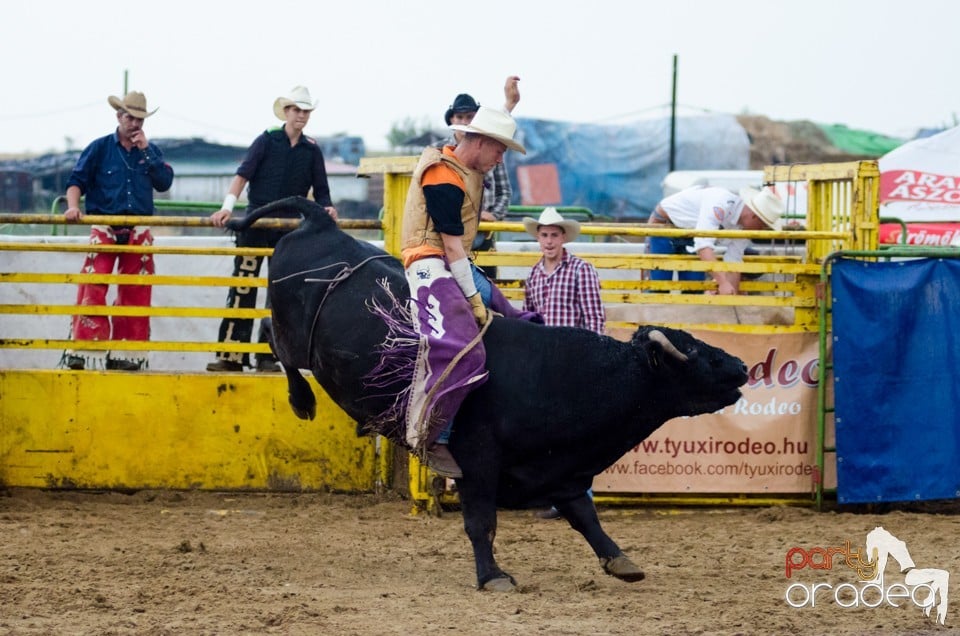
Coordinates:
115 430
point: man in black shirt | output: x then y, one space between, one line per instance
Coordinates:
280 163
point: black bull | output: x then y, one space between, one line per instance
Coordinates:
560 405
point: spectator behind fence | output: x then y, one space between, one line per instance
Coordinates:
281 162
496 183
563 288
711 208
117 175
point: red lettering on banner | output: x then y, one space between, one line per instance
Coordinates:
914 185
786 375
810 372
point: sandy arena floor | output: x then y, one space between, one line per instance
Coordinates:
212 563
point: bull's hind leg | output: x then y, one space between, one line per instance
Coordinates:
582 516
300 395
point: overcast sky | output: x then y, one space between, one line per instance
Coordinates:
214 67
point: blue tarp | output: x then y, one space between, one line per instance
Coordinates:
896 355
617 170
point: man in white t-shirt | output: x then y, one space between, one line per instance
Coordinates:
710 208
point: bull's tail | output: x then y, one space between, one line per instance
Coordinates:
305 207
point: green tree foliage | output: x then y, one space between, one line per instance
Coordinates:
409 127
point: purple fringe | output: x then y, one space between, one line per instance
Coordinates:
398 356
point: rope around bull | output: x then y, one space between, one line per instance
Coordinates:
341 276
344 274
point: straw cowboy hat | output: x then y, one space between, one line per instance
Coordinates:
133 102
462 103
765 204
550 216
298 96
495 124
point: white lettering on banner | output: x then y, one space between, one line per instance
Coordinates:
912 185
936 239
926 179
772 407
922 193
931 237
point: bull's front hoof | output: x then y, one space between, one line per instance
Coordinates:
500 584
622 568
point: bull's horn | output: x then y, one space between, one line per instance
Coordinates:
660 337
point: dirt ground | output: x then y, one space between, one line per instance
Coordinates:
215 563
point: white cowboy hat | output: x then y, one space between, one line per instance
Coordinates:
550 216
765 204
133 102
495 124
298 96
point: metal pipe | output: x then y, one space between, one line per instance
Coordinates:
673 118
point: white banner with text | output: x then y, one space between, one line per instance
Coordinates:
763 444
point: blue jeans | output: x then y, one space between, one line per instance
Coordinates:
482 283
664 245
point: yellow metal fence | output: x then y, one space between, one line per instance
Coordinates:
841 214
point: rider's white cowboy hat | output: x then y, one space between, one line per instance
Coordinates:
298 96
765 204
550 216
133 102
495 124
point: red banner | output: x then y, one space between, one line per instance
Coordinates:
919 186
928 234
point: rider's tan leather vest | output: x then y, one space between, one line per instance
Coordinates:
418 228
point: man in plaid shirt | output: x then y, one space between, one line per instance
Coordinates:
563 288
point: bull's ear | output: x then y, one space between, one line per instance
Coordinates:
646 349
654 353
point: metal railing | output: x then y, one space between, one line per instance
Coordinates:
842 196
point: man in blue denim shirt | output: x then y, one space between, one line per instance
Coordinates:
117 175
